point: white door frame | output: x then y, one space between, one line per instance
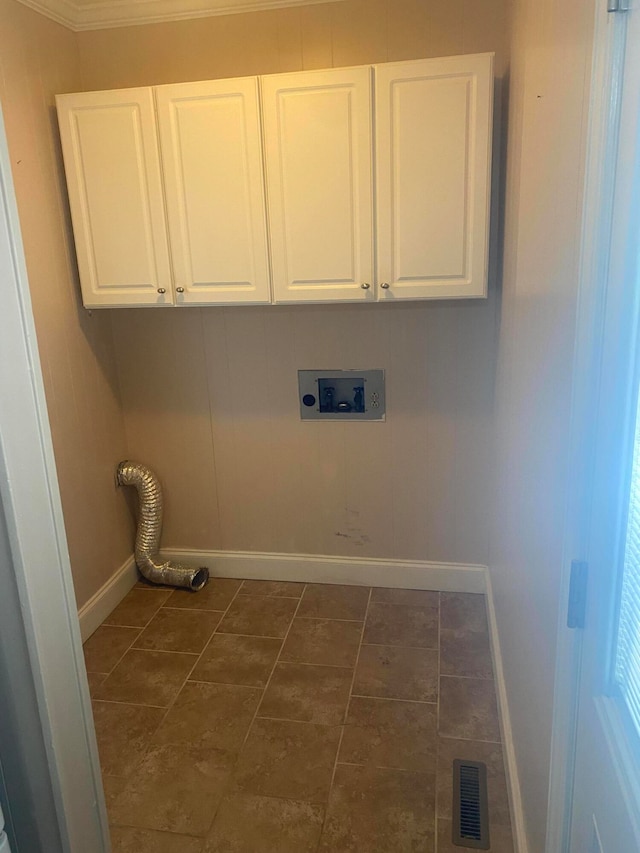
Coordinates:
31 502
602 138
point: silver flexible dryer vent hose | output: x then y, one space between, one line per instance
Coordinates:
149 528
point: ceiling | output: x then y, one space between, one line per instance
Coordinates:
102 14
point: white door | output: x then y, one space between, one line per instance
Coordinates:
433 176
212 160
317 128
112 164
605 816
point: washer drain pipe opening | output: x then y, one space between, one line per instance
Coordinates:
147 550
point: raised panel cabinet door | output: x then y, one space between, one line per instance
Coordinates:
210 140
433 176
112 164
318 147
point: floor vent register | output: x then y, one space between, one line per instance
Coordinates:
470 808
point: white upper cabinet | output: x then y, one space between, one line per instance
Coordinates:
210 140
187 195
318 151
115 191
433 181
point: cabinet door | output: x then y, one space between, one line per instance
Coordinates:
318 153
433 150
113 176
212 159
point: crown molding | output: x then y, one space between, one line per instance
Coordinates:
125 13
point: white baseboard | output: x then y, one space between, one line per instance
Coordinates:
305 568
100 605
311 568
511 767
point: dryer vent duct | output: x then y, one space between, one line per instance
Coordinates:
148 559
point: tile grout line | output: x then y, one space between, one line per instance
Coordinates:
138 628
206 645
171 704
306 663
186 681
308 722
468 677
128 649
402 646
270 594
162 651
273 669
253 636
227 786
155 591
387 767
224 684
390 699
344 721
119 659
128 705
191 609
297 722
328 619
215 630
470 739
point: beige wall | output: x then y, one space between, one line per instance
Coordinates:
210 400
321 36
549 99
210 396
37 59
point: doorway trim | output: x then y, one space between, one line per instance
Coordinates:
31 502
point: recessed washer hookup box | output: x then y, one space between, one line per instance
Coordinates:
341 395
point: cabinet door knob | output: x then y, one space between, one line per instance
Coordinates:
365 285
385 285
162 290
179 289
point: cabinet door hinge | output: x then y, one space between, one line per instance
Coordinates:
617 5
577 595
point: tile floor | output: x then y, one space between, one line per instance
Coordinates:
264 717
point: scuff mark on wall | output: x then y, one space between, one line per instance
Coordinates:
353 532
